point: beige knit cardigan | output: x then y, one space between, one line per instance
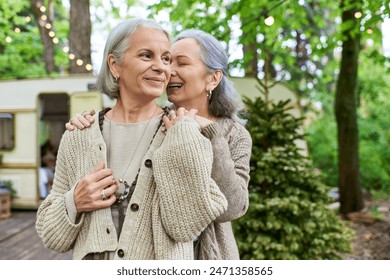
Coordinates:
176 196
232 147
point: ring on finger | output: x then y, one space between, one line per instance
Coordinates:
103 195
171 114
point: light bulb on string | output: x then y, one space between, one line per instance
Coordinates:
269 20
358 14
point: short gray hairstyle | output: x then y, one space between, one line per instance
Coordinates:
117 44
225 100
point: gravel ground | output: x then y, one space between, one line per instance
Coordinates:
372 227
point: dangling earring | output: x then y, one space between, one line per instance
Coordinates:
209 94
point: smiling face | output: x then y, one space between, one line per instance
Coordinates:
189 80
145 69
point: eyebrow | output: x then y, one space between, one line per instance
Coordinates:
183 56
144 49
150 50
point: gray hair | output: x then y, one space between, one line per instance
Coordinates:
225 100
117 44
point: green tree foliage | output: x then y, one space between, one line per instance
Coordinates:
22 57
374 96
288 216
21 48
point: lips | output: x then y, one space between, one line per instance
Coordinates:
174 85
155 79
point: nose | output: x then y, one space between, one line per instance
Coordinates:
160 66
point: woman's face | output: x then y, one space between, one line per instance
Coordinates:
145 69
189 79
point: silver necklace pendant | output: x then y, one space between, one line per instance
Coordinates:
123 196
128 190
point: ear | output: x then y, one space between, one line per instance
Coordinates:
215 79
114 67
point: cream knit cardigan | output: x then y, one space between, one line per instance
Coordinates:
176 196
232 148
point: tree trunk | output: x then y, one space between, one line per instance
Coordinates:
80 36
44 19
250 54
351 199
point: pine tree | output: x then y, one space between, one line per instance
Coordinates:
288 216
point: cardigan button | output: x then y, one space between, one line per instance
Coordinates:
134 207
108 230
121 253
148 163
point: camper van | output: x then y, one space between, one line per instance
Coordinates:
33 113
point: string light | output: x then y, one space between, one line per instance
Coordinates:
51 33
269 20
358 15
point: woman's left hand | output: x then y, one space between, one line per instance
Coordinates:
175 116
80 121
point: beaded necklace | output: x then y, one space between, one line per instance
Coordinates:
129 189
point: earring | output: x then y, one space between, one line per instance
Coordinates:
116 79
209 94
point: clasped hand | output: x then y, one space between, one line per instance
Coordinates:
96 190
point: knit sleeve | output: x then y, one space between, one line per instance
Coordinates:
232 154
189 198
53 224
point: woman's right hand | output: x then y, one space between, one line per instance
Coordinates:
96 190
81 121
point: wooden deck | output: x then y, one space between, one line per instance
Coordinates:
20 241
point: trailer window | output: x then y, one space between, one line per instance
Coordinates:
7 131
